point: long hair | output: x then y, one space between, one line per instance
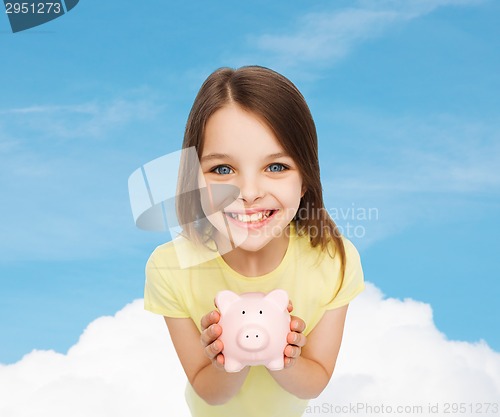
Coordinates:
275 100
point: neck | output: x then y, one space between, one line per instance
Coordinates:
262 261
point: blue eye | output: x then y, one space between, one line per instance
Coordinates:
222 170
277 167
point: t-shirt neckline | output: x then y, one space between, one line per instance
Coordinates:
284 262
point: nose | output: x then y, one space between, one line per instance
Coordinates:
253 338
251 189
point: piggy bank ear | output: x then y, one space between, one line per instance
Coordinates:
279 298
224 299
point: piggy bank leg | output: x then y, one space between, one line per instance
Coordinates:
276 364
232 365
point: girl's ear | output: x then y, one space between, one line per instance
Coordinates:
224 299
303 191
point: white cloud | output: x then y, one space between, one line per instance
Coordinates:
125 365
91 119
121 366
393 354
327 37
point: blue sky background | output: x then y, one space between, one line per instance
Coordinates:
404 94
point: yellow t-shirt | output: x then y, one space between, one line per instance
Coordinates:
312 286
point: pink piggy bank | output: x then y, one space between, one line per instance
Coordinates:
254 328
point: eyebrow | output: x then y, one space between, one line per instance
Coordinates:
226 156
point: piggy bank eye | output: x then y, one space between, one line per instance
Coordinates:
243 312
260 312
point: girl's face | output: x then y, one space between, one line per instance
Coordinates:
242 151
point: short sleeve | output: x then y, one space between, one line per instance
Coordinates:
353 282
161 296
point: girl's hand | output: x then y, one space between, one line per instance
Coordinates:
210 332
296 340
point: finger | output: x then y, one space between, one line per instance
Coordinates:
213 349
218 362
292 351
289 362
290 306
297 339
297 324
210 318
220 359
210 334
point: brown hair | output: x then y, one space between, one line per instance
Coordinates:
275 100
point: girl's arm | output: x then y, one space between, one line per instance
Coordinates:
199 360
311 364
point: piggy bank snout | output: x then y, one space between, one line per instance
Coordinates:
253 338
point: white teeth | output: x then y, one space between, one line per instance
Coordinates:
253 218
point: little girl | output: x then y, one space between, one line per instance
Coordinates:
253 133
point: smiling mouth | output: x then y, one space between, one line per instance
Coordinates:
252 218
